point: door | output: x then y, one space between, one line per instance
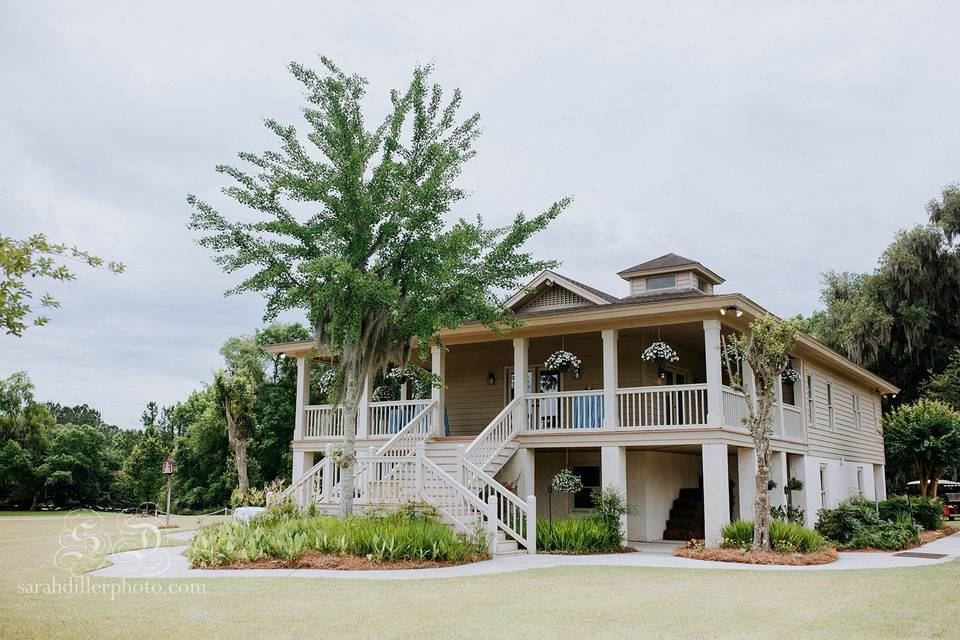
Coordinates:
543 413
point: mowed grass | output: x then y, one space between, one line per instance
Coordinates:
589 602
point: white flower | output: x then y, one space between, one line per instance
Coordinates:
562 360
660 350
566 482
327 379
790 375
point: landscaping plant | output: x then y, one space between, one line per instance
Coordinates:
786 537
927 512
856 523
285 533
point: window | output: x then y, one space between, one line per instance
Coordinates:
590 476
860 481
811 402
830 405
701 283
824 498
662 282
857 415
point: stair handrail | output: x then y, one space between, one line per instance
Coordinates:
479 508
501 430
513 513
299 482
398 439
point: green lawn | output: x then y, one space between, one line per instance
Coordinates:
569 602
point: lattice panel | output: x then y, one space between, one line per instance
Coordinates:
555 298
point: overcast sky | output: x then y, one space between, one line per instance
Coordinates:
771 144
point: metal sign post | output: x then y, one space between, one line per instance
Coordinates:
169 468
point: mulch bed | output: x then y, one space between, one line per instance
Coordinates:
759 557
313 560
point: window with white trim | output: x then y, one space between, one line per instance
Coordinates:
824 497
662 282
860 481
811 402
857 413
830 405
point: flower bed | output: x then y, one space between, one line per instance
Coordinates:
285 537
792 545
825 556
575 535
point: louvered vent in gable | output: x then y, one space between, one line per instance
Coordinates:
555 297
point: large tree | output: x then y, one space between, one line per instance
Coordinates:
923 436
903 319
945 386
25 261
349 224
765 349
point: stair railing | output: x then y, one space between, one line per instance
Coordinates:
491 441
516 517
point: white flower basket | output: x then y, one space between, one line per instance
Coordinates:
566 482
660 351
382 394
327 380
562 361
790 375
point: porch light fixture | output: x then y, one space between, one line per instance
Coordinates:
491 379
734 309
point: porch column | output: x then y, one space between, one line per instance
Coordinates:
613 473
716 492
438 367
302 460
610 378
525 462
711 347
880 482
521 347
363 410
302 396
746 482
811 489
780 474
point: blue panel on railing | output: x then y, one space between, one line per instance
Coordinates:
587 412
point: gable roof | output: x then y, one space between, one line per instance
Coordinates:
549 278
667 263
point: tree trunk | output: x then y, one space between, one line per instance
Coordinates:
351 401
761 512
934 481
239 446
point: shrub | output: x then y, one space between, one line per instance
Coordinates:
790 513
888 535
927 512
577 535
609 505
287 535
255 498
786 537
845 520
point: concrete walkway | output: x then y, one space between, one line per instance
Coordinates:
170 562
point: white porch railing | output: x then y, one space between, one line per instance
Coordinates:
380 480
323 421
792 422
404 442
387 418
306 489
565 410
514 516
662 406
734 408
491 441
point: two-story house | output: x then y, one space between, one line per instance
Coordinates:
667 432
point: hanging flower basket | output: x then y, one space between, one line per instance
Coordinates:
660 351
790 375
563 361
566 482
327 379
382 394
401 375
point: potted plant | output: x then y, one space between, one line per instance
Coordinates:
562 362
564 482
790 375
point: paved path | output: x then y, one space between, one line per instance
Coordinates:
170 562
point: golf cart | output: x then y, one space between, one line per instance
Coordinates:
949 493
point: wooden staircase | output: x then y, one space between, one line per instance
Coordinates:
686 516
444 452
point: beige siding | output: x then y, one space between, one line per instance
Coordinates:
685 280
844 438
471 402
